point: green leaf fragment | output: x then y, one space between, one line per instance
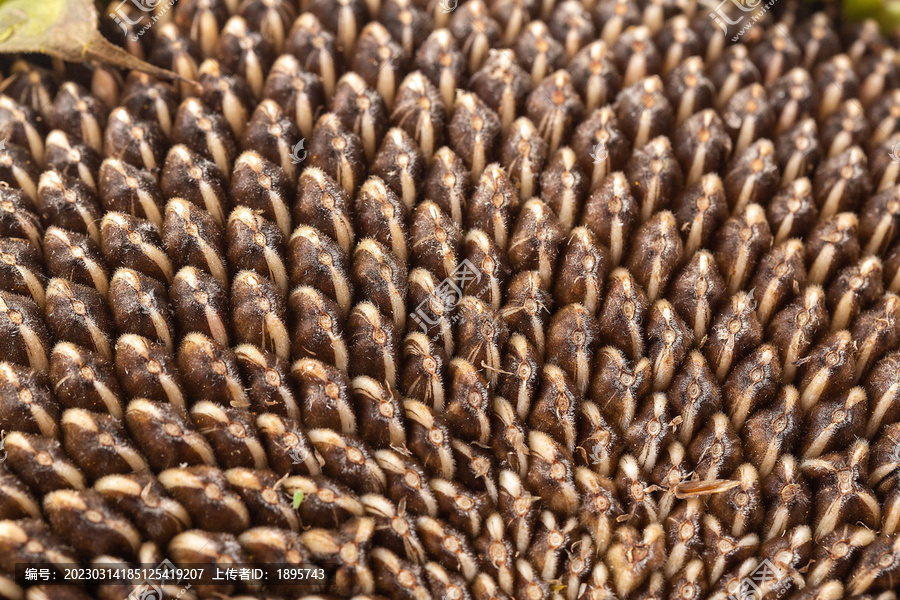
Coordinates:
65 29
298 498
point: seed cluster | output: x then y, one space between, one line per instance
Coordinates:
559 299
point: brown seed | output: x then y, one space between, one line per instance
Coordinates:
258 312
245 52
296 90
165 436
424 370
564 187
618 386
486 268
193 239
634 555
836 552
643 111
260 183
734 332
793 98
41 463
883 170
207 133
210 371
99 444
136 142
523 154
599 442
150 99
146 504
316 49
741 506
21 270
380 411
69 204
879 221
623 313
125 188
443 63
732 71
876 331
148 370
26 401
748 116
226 94
845 127
834 423
205 494
406 482
651 430
380 214
270 387
752 176
703 145
716 450
396 577
519 509
695 395
503 85
338 152
509 442
700 211
231 433
434 306
188 174
555 108
428 438
176 51
548 545
79 114
71 158
140 305
348 457
780 274
594 75
201 304
794 329
535 241
556 408
797 150
255 244
372 343
74 313
134 243
288 450
883 393
468 410
599 145
82 379
18 216
843 495
82 518
400 164
740 243
611 213
323 265
551 474
583 270
841 183
379 60
723 550
322 204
